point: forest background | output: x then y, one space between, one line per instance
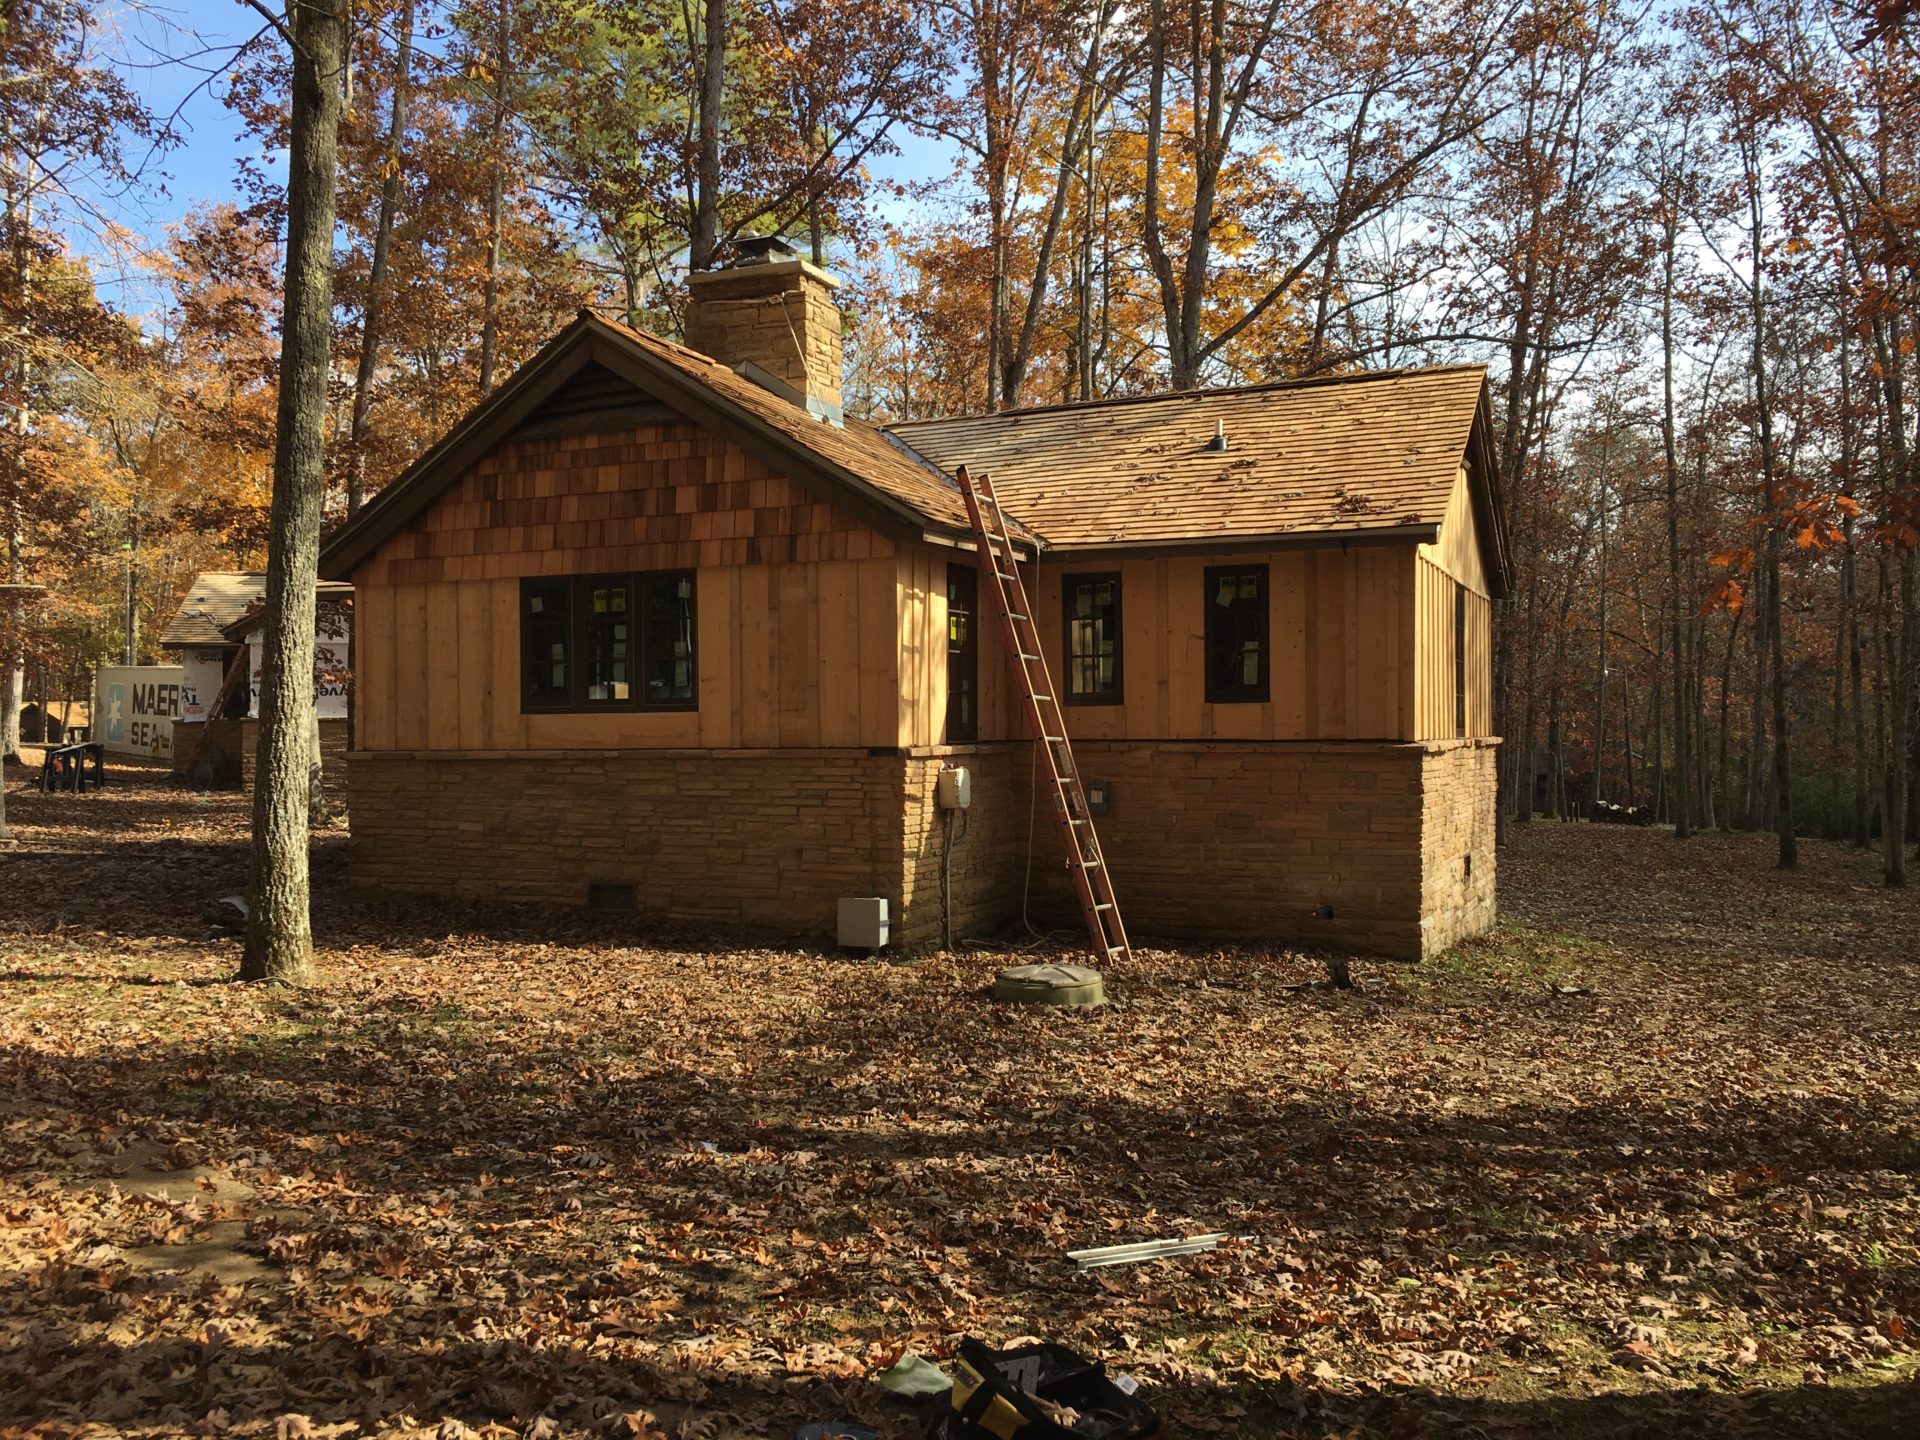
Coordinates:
1682 237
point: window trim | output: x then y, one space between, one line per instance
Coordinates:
579 604
1118 694
1257 694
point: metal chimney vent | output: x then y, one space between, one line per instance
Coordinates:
762 250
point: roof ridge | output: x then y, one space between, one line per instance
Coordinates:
1301 382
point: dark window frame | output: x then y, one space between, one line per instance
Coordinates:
579 590
960 728
643 585
529 703
1116 693
1260 692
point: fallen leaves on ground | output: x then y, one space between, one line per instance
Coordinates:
1644 1162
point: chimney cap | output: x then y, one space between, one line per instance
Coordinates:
762 250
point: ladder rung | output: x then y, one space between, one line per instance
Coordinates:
1108 905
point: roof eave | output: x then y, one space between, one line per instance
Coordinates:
1423 533
478 431
1489 505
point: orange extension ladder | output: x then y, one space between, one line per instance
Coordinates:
1044 719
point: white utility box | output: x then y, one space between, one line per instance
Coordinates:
954 789
863 922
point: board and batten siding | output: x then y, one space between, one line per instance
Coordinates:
796 604
814 630
1340 626
1452 562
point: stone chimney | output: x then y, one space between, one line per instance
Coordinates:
770 311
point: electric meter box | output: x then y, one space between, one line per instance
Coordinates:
863 922
954 789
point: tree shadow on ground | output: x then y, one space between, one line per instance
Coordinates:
532 1136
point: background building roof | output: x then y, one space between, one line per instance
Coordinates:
218 599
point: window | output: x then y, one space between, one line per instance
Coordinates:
609 616
546 635
669 639
1092 640
1459 659
608 642
963 655
1236 597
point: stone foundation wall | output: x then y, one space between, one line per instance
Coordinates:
989 844
1252 842
766 839
1357 847
1458 792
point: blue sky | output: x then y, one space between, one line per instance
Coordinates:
175 56
175 53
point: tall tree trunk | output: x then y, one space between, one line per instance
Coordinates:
705 243
131 625
1626 743
1789 853
279 944
13 665
1076 146
1726 694
1600 661
496 197
1753 812
1529 763
1836 812
1900 755
382 249
1670 446
13 669
1856 680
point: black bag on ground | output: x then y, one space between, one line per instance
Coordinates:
1036 1392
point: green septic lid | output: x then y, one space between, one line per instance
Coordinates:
1050 985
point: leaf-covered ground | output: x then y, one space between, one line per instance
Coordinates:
1646 1163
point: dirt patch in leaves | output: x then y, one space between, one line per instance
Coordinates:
1645 1162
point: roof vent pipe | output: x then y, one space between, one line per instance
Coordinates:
1218 443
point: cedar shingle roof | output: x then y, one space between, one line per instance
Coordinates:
1363 452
